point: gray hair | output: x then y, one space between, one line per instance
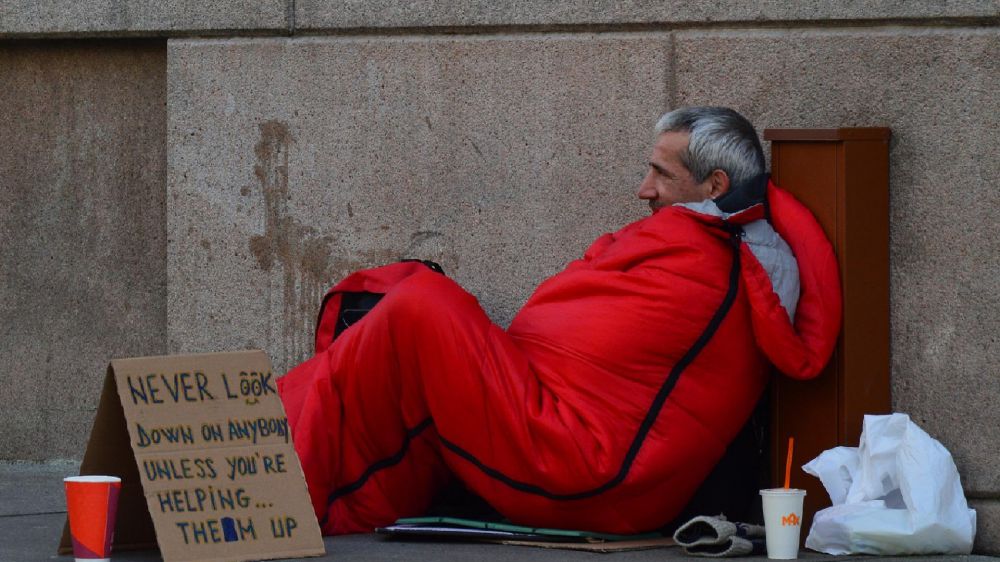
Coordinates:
721 139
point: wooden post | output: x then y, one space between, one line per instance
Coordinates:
842 175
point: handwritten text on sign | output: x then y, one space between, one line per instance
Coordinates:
215 456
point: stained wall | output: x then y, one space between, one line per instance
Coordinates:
201 192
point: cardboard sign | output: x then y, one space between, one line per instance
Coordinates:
203 448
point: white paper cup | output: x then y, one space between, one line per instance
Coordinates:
782 521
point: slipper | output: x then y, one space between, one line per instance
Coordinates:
704 529
731 546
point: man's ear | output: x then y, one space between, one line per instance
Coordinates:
718 184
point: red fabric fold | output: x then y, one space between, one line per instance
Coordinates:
800 350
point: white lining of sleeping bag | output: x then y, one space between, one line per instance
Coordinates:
769 248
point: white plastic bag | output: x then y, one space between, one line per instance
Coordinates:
897 493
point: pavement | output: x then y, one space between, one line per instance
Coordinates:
33 511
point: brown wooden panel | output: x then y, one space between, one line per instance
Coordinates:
807 410
843 134
864 260
842 176
810 172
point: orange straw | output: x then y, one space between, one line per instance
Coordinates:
788 461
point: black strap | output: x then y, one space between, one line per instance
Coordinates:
433 265
745 195
354 305
391 460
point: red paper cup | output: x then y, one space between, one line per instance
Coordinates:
92 502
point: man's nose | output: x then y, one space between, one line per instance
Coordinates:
646 189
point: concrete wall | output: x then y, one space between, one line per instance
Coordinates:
122 18
294 162
499 138
945 304
145 18
82 176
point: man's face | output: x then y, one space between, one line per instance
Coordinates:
668 181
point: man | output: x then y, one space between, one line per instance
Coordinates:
712 154
724 150
616 388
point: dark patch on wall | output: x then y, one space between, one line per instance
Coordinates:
298 252
304 261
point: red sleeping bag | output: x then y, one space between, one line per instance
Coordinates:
603 406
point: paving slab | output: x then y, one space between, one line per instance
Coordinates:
34 538
34 488
32 514
987 525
